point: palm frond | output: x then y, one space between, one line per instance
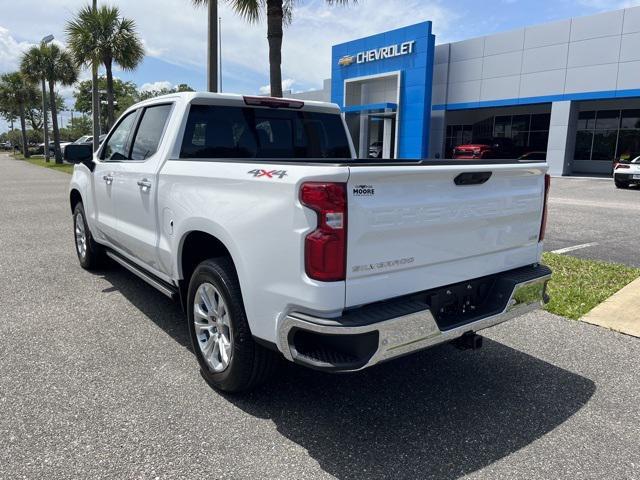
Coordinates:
250 10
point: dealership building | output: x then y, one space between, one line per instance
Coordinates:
569 90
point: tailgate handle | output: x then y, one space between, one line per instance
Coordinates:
472 178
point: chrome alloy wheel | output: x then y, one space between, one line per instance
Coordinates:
81 236
213 330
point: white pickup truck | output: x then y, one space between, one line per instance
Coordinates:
255 213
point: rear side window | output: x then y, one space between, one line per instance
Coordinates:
150 131
245 132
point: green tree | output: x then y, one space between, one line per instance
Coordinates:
16 91
8 112
34 109
57 66
125 94
279 13
183 87
78 126
103 36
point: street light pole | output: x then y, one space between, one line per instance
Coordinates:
45 123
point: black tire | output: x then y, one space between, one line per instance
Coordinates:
94 256
620 184
249 364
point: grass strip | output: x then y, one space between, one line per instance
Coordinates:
40 161
578 285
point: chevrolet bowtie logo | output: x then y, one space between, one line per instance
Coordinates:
346 60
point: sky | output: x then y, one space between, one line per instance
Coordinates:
174 34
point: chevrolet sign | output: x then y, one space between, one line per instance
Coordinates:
397 50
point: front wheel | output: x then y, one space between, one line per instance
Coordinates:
229 357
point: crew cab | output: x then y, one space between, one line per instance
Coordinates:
255 213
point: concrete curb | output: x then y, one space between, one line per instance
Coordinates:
620 312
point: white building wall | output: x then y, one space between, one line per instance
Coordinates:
598 53
563 62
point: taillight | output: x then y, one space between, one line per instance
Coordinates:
325 249
621 165
543 224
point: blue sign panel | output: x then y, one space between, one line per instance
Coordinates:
408 51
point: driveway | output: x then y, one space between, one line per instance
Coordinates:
97 380
593 212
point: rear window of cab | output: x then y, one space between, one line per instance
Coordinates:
248 132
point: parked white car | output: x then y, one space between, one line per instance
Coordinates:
256 214
626 172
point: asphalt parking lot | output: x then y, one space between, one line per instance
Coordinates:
593 211
97 380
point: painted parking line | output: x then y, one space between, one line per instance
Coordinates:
594 204
575 247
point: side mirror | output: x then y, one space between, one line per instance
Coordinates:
79 154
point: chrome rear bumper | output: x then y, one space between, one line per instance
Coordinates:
393 337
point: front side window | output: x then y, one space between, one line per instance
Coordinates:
116 147
150 131
245 132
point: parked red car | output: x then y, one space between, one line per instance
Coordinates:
491 148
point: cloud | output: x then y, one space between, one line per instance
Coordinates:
287 84
608 4
10 51
156 86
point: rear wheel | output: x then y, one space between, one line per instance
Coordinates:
90 254
621 184
229 357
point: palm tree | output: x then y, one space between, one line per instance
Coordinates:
102 36
57 66
16 92
212 43
279 14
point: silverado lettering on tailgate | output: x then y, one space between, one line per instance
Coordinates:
436 214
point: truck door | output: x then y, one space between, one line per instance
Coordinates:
105 178
136 190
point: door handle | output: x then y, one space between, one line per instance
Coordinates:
144 184
108 179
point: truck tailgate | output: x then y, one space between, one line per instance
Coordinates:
412 228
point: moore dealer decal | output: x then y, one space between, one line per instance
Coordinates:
363 190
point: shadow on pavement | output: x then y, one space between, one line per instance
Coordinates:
164 312
441 413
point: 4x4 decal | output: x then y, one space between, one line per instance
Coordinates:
268 173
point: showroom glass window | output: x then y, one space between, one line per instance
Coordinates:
457 135
528 132
607 134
